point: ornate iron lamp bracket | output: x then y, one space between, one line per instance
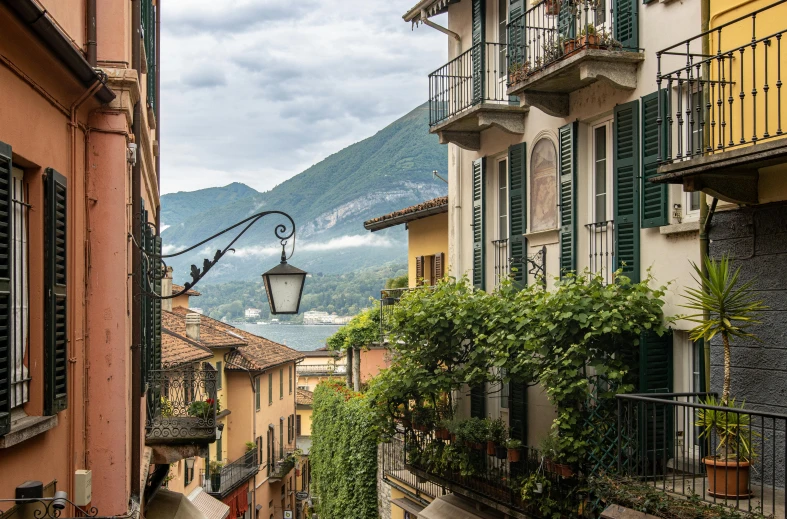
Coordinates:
156 266
536 264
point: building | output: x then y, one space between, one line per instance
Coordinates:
319 365
79 170
251 467
252 313
303 429
571 127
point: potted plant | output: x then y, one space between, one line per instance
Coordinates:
725 308
588 37
513 446
498 434
550 450
215 475
250 446
518 72
442 431
423 418
202 408
473 432
552 7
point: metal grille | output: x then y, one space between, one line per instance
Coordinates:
501 260
20 375
601 255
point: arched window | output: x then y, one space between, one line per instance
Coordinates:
543 186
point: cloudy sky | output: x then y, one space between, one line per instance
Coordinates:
256 91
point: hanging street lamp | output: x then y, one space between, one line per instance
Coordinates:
283 283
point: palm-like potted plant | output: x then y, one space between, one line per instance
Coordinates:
215 475
727 308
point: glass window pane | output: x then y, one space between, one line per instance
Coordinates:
694 201
502 198
600 173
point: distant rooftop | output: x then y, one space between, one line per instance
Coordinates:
408 214
178 288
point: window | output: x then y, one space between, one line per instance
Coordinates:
429 269
504 389
218 449
218 375
270 388
281 383
502 36
289 379
298 425
19 292
601 174
281 438
502 199
257 390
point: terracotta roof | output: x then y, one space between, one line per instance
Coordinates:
209 336
190 292
408 214
255 353
304 397
176 350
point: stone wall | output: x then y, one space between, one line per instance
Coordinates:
383 489
755 239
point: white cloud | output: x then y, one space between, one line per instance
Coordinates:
257 91
342 242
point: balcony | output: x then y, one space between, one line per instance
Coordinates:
181 411
321 369
720 108
502 260
395 472
219 482
601 249
490 480
468 95
567 45
279 469
660 445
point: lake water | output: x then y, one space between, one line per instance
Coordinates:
296 336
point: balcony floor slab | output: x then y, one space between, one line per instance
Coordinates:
464 129
548 89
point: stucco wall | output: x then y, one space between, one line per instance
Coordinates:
372 361
425 237
306 420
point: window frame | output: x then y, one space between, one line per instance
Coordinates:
502 228
218 374
258 388
270 388
281 383
609 210
20 253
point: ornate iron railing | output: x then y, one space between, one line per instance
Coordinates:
393 468
660 442
181 405
219 483
502 260
282 466
718 99
555 29
601 249
321 369
476 76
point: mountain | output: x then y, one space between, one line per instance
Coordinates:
329 203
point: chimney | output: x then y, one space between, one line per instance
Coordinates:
166 290
192 326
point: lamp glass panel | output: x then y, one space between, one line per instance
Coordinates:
285 291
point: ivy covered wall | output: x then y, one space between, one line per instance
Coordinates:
344 453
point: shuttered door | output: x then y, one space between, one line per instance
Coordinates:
568 198
478 402
626 186
477 54
419 270
55 289
518 409
655 376
6 344
517 211
625 22
654 196
479 259
439 266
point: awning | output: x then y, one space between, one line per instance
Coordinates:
452 507
408 506
172 505
210 507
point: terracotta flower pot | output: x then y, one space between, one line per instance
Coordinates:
406 422
563 470
453 438
420 427
728 479
591 41
513 455
442 434
490 448
569 46
477 446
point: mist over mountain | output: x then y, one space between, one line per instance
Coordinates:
329 203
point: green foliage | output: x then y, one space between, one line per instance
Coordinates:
650 499
398 282
732 428
343 456
360 332
203 408
250 446
498 431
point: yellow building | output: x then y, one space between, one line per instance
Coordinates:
427 238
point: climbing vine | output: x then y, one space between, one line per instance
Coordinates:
343 455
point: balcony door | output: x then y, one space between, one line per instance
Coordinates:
600 228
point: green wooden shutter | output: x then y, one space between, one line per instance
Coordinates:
479 249
156 364
625 156
625 21
517 35
146 333
56 293
6 268
477 53
568 198
566 22
655 208
517 210
656 376
518 409
478 401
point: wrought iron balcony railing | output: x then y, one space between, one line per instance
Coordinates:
283 465
660 442
502 260
393 467
181 405
726 96
321 369
478 75
556 29
601 249
219 483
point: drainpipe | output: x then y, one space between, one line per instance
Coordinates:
158 111
92 44
136 260
704 213
429 23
